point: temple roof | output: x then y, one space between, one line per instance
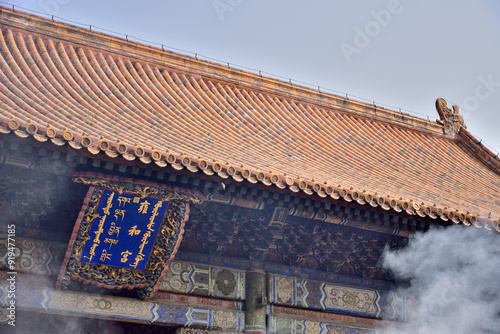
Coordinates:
104 94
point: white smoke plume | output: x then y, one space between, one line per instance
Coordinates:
456 273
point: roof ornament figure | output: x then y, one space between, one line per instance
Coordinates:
451 119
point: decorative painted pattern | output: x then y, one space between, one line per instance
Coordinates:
281 325
31 255
223 230
225 320
183 277
197 268
46 236
177 298
37 198
34 256
329 317
288 286
124 309
356 300
298 292
227 280
285 270
186 330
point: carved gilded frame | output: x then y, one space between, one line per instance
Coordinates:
164 248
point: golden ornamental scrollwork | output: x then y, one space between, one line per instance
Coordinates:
140 189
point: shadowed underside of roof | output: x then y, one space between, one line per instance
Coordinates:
89 93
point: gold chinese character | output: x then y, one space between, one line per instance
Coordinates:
123 200
105 256
144 207
120 213
133 231
125 256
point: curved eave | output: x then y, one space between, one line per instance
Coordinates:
239 174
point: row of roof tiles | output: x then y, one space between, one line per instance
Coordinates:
179 162
101 100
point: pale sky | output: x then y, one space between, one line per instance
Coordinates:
400 53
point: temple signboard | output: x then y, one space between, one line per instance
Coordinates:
126 234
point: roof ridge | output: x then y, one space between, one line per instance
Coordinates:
453 123
480 151
184 63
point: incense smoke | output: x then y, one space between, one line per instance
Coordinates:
456 273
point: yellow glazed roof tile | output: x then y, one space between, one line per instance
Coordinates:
137 101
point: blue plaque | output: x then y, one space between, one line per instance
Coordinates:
124 232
